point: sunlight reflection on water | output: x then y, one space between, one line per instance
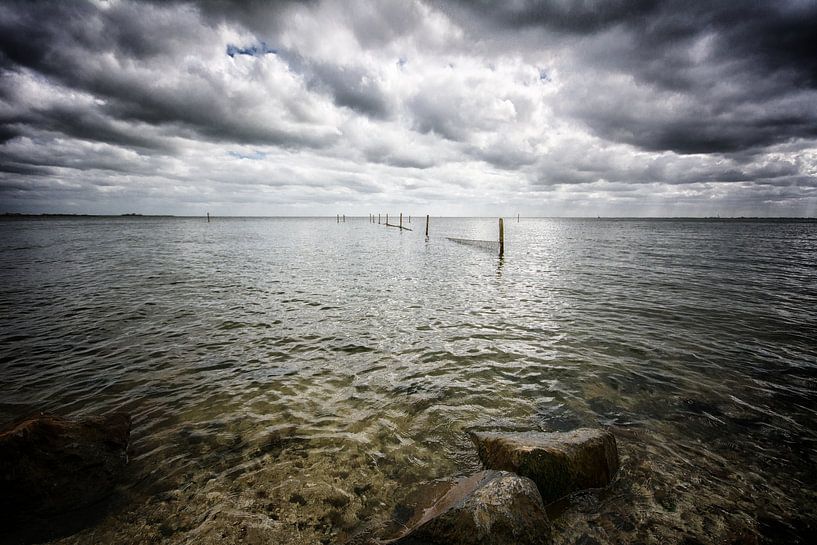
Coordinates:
299 354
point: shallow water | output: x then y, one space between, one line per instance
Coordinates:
293 379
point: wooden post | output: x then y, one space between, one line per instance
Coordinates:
208 217
378 219
338 218
387 219
426 225
517 217
401 220
409 218
501 237
344 218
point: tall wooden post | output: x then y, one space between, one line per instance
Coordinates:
426 225
208 217
387 219
501 237
409 218
378 219
517 217
344 218
337 216
401 220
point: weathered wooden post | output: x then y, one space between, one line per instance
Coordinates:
378 219
501 237
344 218
208 217
337 217
387 219
426 225
517 217
409 218
401 220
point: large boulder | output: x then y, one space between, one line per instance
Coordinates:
50 465
559 462
489 508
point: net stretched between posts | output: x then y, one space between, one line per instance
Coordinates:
492 245
481 233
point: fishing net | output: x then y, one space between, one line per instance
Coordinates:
491 245
481 233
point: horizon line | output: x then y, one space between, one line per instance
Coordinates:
229 216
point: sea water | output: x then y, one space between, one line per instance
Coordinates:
294 379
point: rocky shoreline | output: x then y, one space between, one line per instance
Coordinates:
279 485
51 467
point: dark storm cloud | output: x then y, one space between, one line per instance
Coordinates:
752 85
579 16
21 169
738 90
86 124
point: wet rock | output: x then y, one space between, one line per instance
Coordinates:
559 462
50 464
490 507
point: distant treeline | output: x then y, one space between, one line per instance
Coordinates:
133 214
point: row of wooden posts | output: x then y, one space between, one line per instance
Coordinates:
342 219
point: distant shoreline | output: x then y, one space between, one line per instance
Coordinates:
5 215
66 215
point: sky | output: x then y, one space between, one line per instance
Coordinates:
456 107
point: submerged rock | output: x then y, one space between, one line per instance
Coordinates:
559 462
50 464
489 507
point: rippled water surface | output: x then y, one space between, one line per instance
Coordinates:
293 379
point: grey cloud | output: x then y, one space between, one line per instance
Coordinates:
13 167
753 86
509 156
589 166
450 111
398 158
349 86
580 16
263 17
378 24
64 42
739 69
439 114
86 124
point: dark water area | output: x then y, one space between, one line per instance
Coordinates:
293 379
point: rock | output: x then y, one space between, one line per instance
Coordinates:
489 507
559 463
50 464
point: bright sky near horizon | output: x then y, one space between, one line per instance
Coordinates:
620 107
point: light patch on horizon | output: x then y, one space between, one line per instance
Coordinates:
440 107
